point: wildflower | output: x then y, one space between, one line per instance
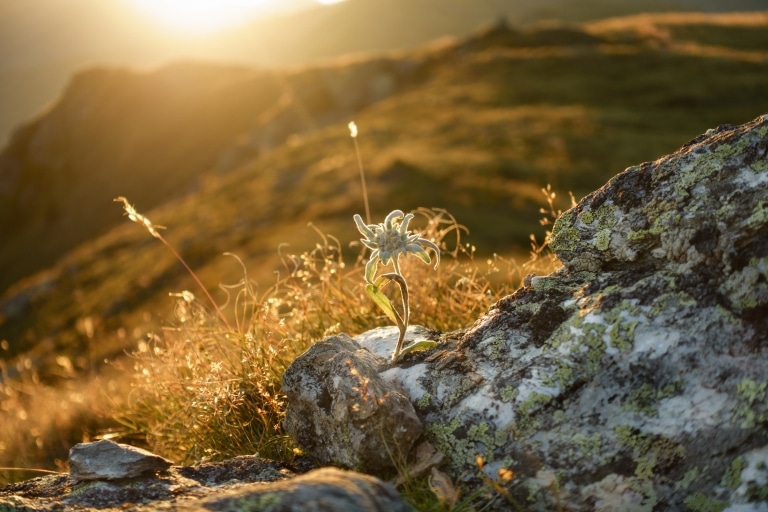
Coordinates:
391 239
388 241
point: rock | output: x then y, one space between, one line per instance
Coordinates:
341 410
107 460
635 377
322 489
242 484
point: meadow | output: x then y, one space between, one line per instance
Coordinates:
117 340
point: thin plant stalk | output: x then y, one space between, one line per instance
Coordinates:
353 133
153 230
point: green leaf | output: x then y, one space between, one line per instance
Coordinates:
416 346
381 300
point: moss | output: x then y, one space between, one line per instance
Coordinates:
732 477
701 503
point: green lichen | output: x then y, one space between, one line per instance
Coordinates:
424 400
644 399
480 439
648 450
732 477
759 166
533 402
589 336
756 493
509 393
564 237
690 476
603 239
263 501
606 217
759 216
701 503
460 390
752 404
588 445
586 217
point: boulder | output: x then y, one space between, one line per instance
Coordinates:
633 378
343 412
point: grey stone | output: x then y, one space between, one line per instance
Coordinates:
342 412
107 460
635 377
322 489
242 483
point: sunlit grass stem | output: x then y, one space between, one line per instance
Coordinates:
353 133
138 218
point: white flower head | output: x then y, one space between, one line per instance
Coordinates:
391 239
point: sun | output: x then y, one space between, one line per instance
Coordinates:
203 16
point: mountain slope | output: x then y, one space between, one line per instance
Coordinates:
42 42
476 127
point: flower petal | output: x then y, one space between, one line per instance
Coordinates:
433 246
394 214
404 224
370 269
420 252
369 243
365 230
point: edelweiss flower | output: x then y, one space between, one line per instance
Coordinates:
391 239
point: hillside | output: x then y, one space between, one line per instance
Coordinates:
43 42
240 160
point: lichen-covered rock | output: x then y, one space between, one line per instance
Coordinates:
322 489
342 412
634 378
108 460
242 484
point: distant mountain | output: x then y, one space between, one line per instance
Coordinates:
43 42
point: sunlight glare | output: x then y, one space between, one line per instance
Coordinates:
203 16
329 2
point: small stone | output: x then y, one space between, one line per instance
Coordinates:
107 460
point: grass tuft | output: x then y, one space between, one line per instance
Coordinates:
205 391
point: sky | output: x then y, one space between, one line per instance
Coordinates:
44 42
205 16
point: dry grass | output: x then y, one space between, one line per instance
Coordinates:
202 391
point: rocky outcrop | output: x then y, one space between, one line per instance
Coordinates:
636 376
242 484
